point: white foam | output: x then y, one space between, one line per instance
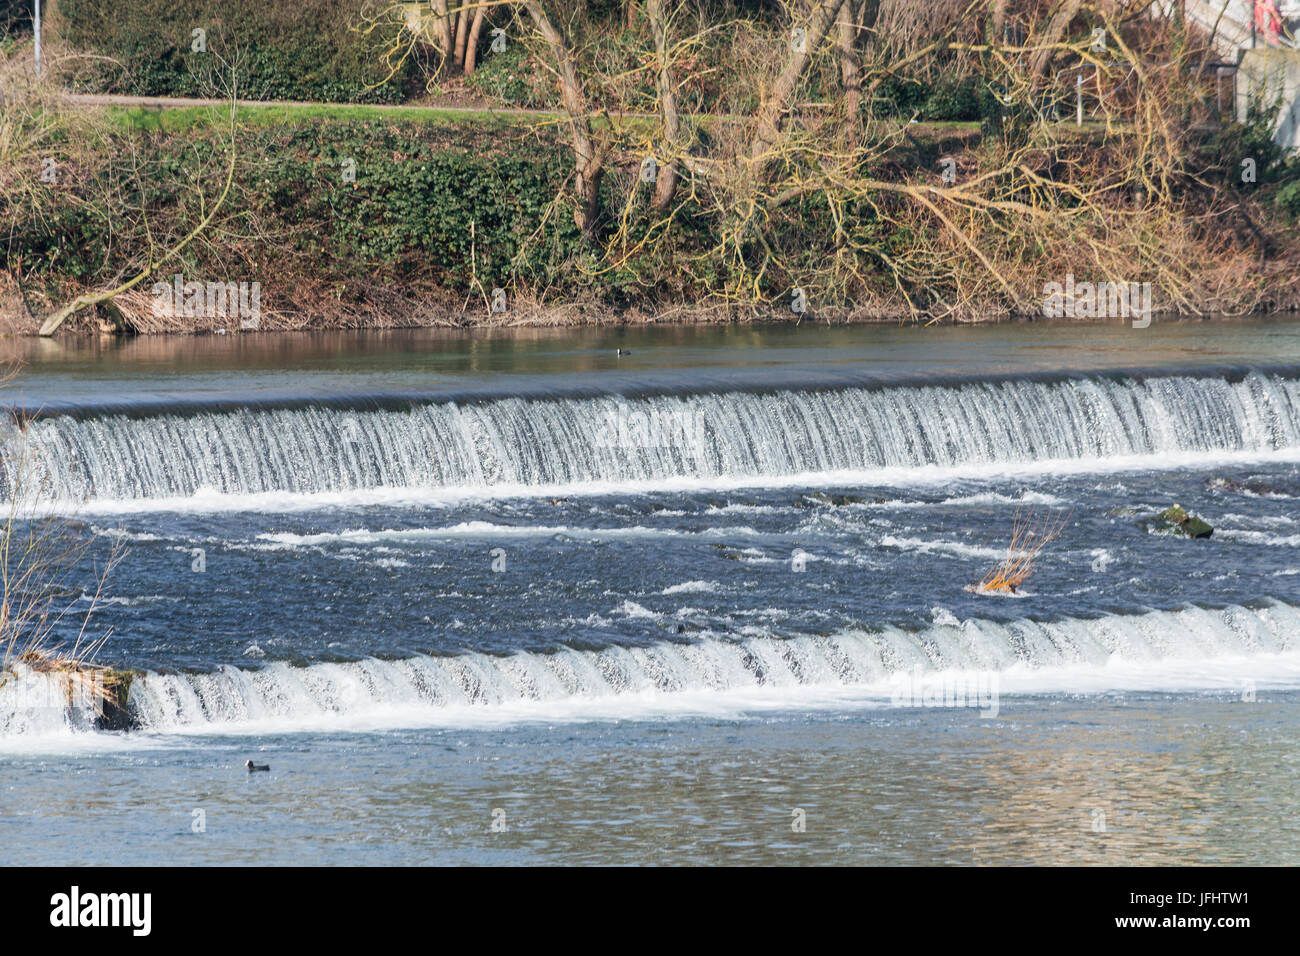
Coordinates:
692 587
278 502
1190 650
1231 676
296 459
480 529
982 498
957 548
1259 537
634 610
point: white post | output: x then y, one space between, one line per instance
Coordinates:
36 23
1078 99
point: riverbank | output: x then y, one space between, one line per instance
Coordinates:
303 304
122 217
464 223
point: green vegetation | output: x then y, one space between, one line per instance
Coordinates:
319 50
903 162
513 77
407 218
305 50
179 119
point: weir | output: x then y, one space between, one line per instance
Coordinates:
423 687
536 442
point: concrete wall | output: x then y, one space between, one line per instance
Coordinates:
1271 72
1228 20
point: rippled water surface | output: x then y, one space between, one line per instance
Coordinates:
515 599
1172 779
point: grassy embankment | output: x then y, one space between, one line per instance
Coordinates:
446 206
407 212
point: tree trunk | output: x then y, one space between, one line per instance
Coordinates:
777 104
999 25
666 180
850 66
588 160
1056 28
441 27
471 44
462 33
868 13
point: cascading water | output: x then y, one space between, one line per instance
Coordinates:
432 580
35 702
572 441
534 442
424 687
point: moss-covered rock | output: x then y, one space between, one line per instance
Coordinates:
1176 520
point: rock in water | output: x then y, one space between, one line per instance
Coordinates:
821 497
1176 520
1275 486
112 712
1173 515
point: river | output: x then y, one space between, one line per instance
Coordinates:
515 597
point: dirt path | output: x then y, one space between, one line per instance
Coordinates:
181 102
469 112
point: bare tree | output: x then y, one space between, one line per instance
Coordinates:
666 182
588 155
776 105
471 44
1048 42
855 23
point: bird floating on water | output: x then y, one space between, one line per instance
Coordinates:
622 351
256 766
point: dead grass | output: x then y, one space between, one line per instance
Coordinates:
1031 532
40 554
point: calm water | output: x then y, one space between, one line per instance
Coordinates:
515 599
1180 778
266 367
